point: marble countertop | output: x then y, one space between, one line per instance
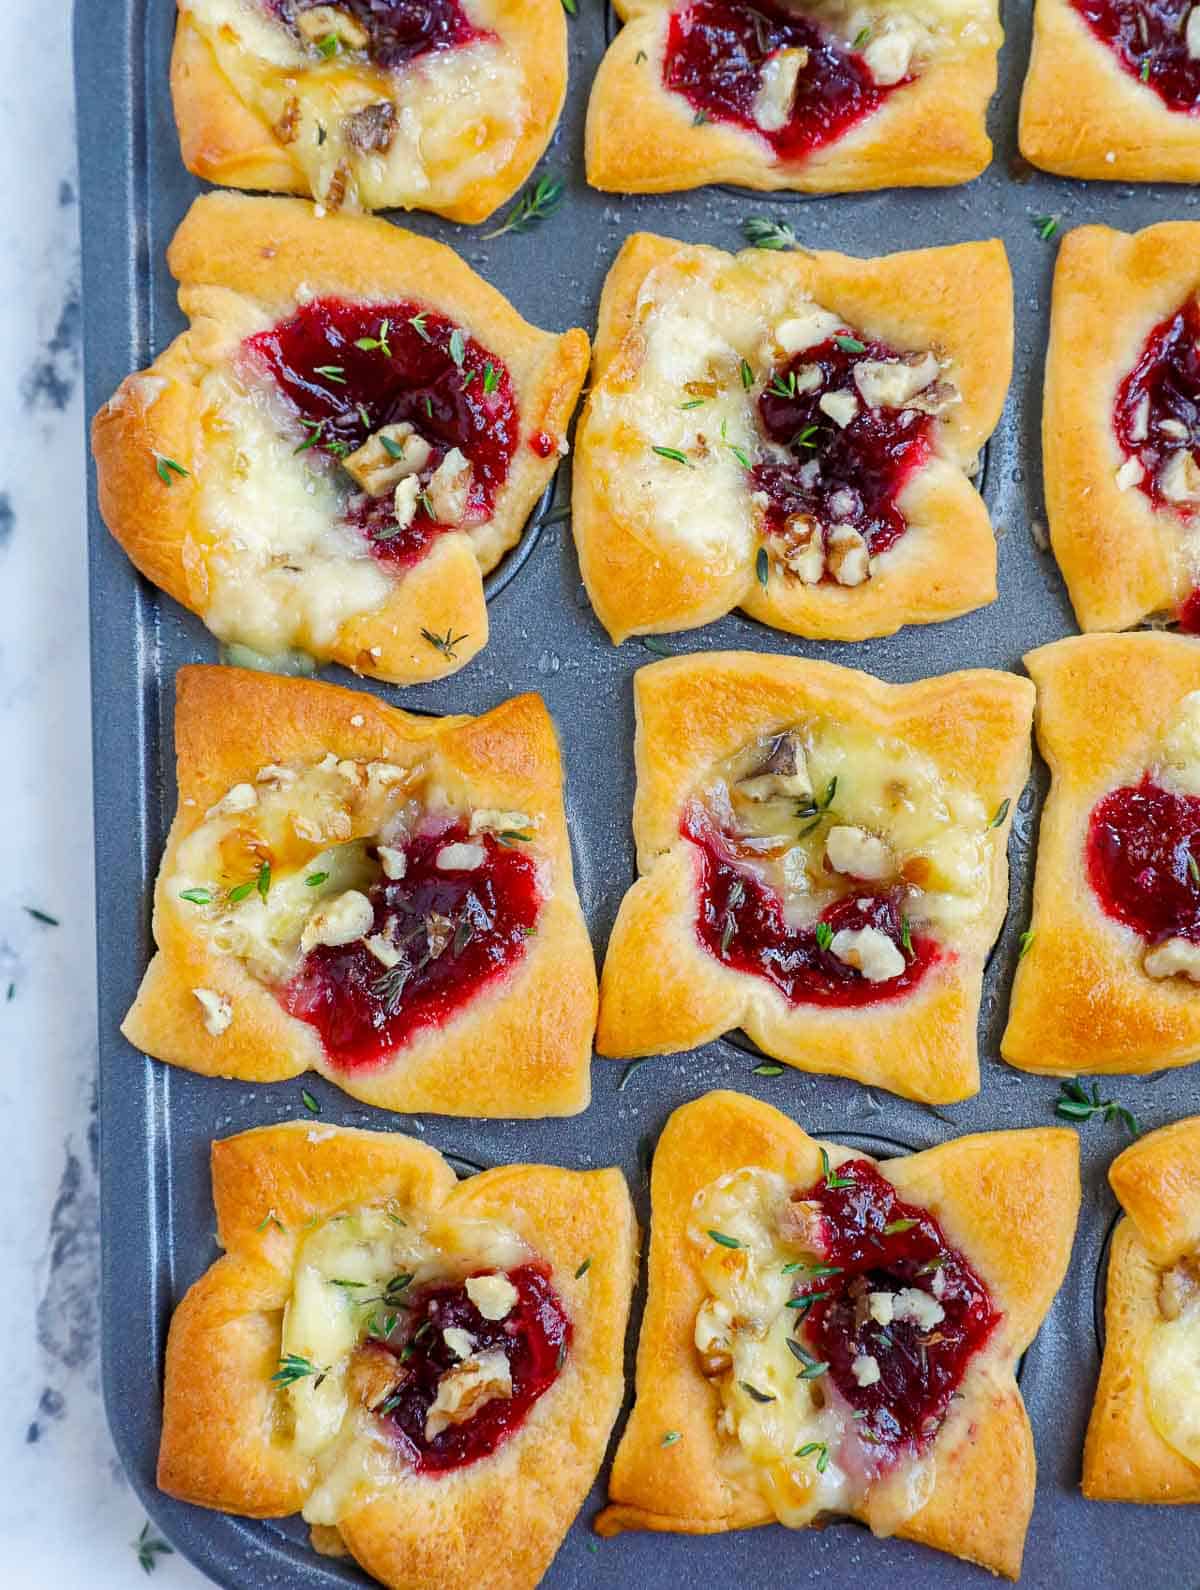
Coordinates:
66 1512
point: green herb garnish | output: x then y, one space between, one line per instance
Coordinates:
767 1069
1075 1104
458 347
674 455
754 1393
813 1367
369 344
762 567
850 344
670 1438
167 467
491 378
444 643
824 935
628 1074
895 1228
832 1180
292 1367
1045 226
309 1101
1001 813
583 1269
819 1447
417 322
723 1241
1025 941
332 372
760 232
315 879
197 896
539 201
747 375
150 1548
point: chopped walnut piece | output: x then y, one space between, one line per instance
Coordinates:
339 182
890 383
372 129
1173 958
1178 1287
439 930
466 1388
450 487
323 22
801 1224
803 548
783 772
847 555
287 128
387 457
935 399
372 1374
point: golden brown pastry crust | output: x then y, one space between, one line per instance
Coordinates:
1122 558
1081 1001
1084 115
232 252
497 1521
1157 1180
226 141
641 138
661 991
521 1047
956 299
1009 1200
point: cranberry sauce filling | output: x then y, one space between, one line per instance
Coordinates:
534 1337
844 475
400 30
456 932
1157 412
428 372
1189 614
741 922
1150 39
875 1243
715 53
1143 860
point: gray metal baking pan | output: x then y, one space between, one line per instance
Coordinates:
156 1123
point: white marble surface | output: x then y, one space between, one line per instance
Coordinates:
66 1514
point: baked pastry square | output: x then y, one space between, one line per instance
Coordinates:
370 104
1121 424
1142 1442
823 863
1113 90
791 434
825 1333
824 96
352 432
1108 978
382 898
427 1370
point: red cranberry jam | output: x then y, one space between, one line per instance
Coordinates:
872 1242
535 1338
1149 39
457 932
1143 860
838 474
451 390
1157 412
400 30
741 922
715 53
1189 614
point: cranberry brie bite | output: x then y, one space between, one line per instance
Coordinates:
1143 1442
1121 425
821 96
442 105
792 434
827 1334
1108 980
426 1370
350 435
381 898
1113 90
823 864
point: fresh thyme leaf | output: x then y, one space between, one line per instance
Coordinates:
427 403
640 57
315 879
723 1241
803 438
166 467
895 1228
491 379
389 987
806 1302
509 837
539 201
352 1285
292 1367
150 1548
570 8
561 1357
754 1393
270 1219
1026 940
738 452
767 1069
370 344
1074 1103
906 942
426 502
652 643
628 1074
391 448
310 1102
819 1447
747 375
363 416
824 935
242 890
700 119
417 322
1001 813
850 344
674 455
694 403
458 347
332 372
464 932
1045 226
669 1438
583 1269
314 429
760 232
1193 869
263 882
862 37
813 1367
197 896
444 643
329 45
762 567
781 388
1144 69
832 1180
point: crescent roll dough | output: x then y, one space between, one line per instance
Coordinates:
309 916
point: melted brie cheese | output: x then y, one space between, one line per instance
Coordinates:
459 113
1172 1371
341 1270
919 826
